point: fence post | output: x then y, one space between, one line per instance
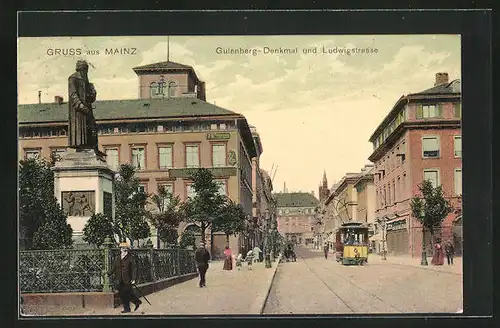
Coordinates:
151 254
106 287
178 261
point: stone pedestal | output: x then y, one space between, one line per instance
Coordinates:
83 185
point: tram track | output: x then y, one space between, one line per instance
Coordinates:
350 282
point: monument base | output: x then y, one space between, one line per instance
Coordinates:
83 185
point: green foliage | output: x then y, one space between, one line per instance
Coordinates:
188 238
203 208
43 223
97 228
169 215
431 207
230 219
130 213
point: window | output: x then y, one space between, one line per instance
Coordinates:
222 187
430 147
190 192
142 188
399 189
172 87
155 90
393 191
222 126
428 111
57 153
457 108
213 126
192 156
457 146
389 195
165 157
112 158
170 189
138 158
159 128
31 153
458 182
218 155
433 176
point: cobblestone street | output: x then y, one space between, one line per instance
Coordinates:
313 285
227 292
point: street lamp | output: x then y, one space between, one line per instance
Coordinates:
384 235
423 261
267 244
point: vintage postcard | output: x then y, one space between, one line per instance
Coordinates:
238 175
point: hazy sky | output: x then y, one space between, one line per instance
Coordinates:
314 111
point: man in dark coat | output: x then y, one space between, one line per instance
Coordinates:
202 256
82 132
326 249
124 270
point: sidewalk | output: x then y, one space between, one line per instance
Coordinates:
227 292
407 260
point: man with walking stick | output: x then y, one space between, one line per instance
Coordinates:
124 270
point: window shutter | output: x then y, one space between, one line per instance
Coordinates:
439 110
420 111
458 110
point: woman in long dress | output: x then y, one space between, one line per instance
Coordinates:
438 258
228 259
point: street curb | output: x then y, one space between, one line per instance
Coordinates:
278 261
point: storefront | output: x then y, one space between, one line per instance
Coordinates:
397 236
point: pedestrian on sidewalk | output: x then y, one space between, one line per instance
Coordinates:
326 249
449 250
256 253
124 270
228 259
202 256
438 258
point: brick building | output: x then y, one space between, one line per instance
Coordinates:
168 130
419 139
296 216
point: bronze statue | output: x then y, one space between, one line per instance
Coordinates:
82 127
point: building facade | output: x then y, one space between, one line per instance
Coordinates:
163 134
420 139
295 216
366 206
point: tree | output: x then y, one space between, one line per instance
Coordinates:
97 228
203 208
130 212
230 219
430 208
168 216
188 239
43 223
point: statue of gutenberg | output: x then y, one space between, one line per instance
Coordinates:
82 130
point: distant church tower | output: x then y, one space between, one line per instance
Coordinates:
323 188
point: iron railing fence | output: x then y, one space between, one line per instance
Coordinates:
72 270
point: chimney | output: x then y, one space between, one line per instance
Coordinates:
441 78
58 100
39 97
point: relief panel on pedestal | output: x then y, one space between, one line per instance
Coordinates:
78 203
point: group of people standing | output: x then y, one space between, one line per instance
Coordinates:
439 252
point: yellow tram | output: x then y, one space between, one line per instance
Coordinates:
352 244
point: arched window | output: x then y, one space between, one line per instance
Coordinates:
153 90
172 87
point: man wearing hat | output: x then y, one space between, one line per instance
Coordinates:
124 270
202 256
82 132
